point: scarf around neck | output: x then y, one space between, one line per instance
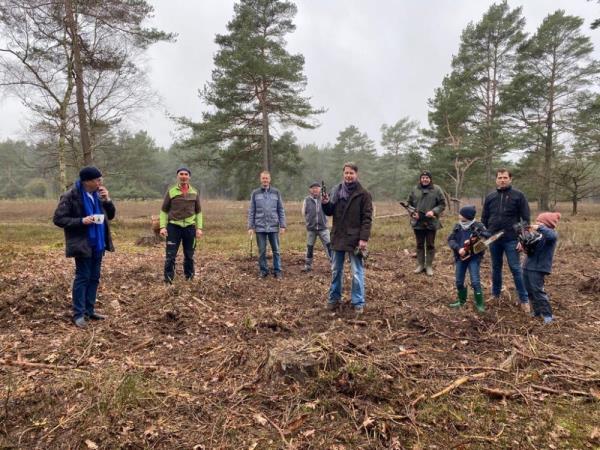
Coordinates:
466 225
347 190
95 231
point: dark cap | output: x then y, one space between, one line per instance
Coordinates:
426 173
89 173
468 212
184 168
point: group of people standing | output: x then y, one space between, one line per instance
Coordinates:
85 210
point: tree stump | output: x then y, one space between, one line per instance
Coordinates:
297 359
148 241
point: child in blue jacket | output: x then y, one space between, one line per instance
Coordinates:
462 233
538 264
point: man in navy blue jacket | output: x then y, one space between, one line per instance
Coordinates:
503 209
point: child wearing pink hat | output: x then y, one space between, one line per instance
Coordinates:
538 264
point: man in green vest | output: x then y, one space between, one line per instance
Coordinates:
181 222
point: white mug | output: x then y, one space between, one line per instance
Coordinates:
98 218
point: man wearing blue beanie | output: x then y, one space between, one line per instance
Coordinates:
84 212
181 223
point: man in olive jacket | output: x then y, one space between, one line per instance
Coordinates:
429 201
84 212
352 210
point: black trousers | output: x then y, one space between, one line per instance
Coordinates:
425 238
180 235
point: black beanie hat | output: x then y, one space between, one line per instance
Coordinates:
468 212
184 168
426 173
89 173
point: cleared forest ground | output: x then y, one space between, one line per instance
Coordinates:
231 361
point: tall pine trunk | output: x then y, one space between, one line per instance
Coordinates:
265 131
62 127
71 23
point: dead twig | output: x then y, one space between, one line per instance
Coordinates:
22 363
486 438
87 349
456 383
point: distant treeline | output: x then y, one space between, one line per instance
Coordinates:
527 102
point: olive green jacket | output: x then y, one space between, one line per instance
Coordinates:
430 198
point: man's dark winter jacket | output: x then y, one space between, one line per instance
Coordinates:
68 215
314 217
351 218
457 238
503 209
541 259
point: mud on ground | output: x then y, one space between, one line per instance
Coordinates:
232 361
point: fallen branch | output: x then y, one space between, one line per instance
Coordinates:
486 438
561 392
456 383
87 349
451 387
498 393
23 363
362 323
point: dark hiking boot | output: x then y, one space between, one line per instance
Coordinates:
96 316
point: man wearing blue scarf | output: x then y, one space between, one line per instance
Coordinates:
83 212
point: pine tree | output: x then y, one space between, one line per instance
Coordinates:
485 62
256 84
452 152
352 145
399 141
554 68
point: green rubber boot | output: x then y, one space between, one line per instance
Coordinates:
461 299
479 302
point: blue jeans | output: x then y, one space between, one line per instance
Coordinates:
497 250
472 265
261 242
534 283
337 278
85 285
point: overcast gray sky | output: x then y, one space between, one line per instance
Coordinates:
367 62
